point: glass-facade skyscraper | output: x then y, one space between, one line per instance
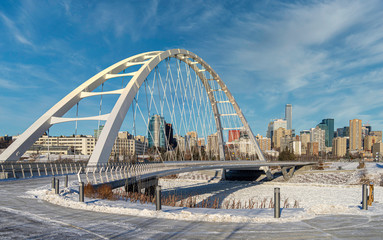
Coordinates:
156 132
328 125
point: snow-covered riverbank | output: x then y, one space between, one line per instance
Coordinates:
330 191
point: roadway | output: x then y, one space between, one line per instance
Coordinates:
23 217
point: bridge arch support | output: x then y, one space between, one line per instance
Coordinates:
148 62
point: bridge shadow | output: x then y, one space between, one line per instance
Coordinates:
221 190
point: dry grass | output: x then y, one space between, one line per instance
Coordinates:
254 204
173 176
103 192
170 200
173 200
363 177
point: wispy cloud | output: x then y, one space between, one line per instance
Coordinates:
14 30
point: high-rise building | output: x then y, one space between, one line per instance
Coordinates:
318 135
170 140
339 146
264 143
312 148
289 116
378 134
274 125
356 134
377 150
193 138
278 135
328 125
212 144
97 132
369 141
234 135
126 145
305 138
201 142
296 147
156 131
366 129
343 132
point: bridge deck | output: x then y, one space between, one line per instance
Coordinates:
207 165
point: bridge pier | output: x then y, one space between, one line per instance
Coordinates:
134 185
223 175
289 174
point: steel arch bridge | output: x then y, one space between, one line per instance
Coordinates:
146 63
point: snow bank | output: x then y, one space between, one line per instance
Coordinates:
314 198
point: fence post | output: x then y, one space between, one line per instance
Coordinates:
22 170
13 171
52 171
38 170
46 171
277 203
101 179
57 186
81 191
158 197
66 181
364 197
53 183
30 170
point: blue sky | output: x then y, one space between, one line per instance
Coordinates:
323 57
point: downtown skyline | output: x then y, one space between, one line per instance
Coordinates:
324 58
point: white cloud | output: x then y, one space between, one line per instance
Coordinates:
14 30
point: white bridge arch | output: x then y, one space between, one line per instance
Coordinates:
148 61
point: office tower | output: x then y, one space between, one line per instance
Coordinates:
366 129
171 141
356 134
234 135
156 131
289 116
328 125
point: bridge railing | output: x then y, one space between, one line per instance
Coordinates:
41 169
104 173
100 173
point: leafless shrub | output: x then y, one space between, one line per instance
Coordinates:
286 203
361 165
296 204
103 192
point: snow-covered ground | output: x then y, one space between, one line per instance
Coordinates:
330 191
